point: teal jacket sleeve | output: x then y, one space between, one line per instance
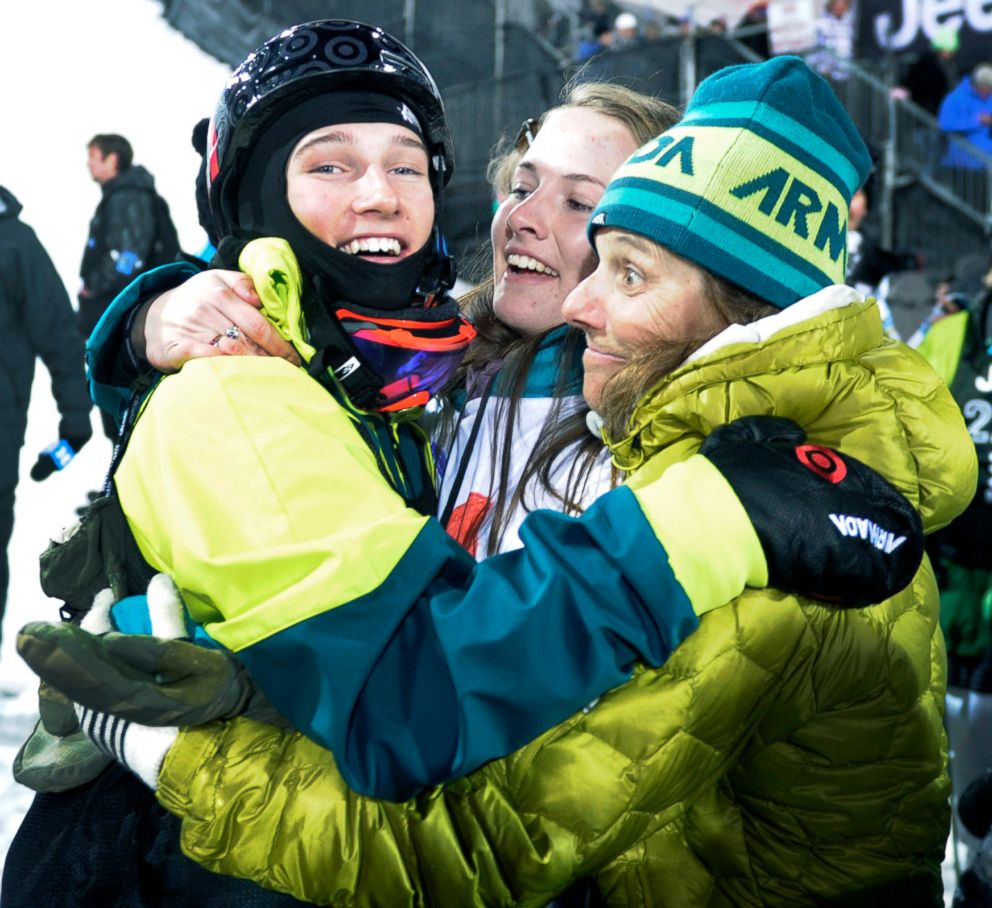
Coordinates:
485 656
105 346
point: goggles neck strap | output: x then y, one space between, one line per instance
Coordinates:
336 355
439 274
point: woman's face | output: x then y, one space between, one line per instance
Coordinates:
540 249
363 188
639 298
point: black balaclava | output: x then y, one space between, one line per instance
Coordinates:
263 208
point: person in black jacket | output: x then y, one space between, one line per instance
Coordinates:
36 319
935 72
130 233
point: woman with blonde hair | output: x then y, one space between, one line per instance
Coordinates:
516 437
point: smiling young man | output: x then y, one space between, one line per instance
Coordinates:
363 190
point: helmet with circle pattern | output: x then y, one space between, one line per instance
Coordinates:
306 60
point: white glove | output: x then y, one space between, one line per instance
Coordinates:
140 748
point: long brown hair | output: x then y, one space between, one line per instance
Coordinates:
562 433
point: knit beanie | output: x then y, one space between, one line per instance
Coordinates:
946 39
753 183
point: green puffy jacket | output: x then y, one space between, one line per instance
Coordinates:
786 754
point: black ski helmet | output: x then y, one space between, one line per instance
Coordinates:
306 60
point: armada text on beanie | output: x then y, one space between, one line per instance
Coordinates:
753 184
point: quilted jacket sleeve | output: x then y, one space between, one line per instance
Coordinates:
269 805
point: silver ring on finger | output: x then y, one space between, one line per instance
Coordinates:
233 332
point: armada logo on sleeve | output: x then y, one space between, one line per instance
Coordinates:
863 528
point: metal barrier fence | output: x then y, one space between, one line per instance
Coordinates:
917 143
941 212
935 212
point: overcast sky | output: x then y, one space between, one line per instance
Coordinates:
72 68
65 75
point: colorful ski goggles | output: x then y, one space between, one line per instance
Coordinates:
415 359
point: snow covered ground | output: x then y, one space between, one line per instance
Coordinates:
70 69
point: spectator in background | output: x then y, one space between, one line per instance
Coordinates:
866 262
869 263
597 12
948 300
602 38
653 30
36 319
130 232
834 40
755 22
967 113
626 32
959 347
931 75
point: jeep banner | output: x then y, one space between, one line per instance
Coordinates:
907 26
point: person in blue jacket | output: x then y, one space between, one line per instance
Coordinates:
966 113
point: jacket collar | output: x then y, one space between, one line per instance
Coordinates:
726 377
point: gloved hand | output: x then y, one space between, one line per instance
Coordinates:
137 747
142 678
57 456
831 527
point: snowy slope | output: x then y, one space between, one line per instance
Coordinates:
70 69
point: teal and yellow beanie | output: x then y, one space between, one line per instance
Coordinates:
753 183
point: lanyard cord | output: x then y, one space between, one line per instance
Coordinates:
449 504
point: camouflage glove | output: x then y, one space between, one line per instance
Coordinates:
145 679
831 528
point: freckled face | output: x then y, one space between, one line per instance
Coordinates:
540 248
640 296
363 188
